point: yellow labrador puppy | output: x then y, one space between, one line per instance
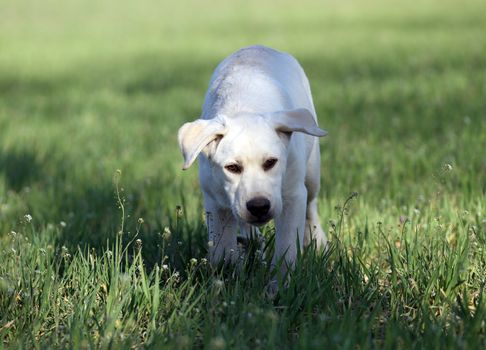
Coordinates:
258 153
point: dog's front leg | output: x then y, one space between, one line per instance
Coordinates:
221 233
290 226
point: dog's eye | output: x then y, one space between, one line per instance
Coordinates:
234 168
269 163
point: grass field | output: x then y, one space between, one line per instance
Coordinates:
102 237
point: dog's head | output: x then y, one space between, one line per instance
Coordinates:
248 156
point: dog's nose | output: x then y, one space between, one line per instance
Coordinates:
258 206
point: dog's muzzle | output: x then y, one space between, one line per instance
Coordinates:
259 208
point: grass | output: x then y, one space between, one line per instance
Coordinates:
96 257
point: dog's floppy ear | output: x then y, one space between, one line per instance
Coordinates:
196 135
300 119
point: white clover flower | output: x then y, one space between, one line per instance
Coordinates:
166 235
28 217
218 283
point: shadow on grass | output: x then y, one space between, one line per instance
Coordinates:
20 168
87 213
165 236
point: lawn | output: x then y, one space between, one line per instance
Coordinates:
102 235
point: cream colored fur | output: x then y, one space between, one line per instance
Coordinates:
258 109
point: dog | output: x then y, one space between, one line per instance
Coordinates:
259 158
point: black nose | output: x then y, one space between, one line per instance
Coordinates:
258 206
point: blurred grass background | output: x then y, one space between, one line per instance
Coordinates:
89 87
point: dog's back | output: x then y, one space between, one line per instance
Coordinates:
257 78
